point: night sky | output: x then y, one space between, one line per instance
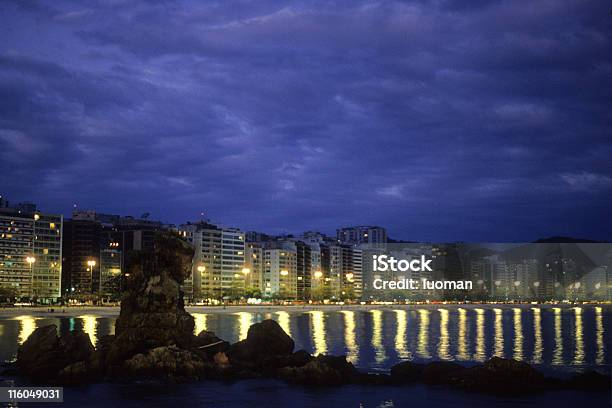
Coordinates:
442 121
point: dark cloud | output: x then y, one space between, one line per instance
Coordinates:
451 120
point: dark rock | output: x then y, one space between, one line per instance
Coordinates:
77 373
152 311
43 355
322 371
168 363
406 372
500 376
440 372
209 343
265 339
297 359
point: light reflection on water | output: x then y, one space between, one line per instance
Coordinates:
537 333
423 344
599 332
378 338
518 334
462 351
350 339
499 333
443 345
558 355
318 332
480 337
579 354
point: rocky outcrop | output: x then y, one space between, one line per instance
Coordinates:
322 371
264 340
167 363
152 311
44 354
498 376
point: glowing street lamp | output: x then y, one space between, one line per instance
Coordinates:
284 272
350 276
90 265
246 271
30 260
201 268
318 274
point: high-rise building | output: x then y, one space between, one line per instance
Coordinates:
31 253
280 270
362 234
219 261
90 236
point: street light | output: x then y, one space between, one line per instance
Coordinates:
318 274
30 260
350 276
284 272
201 268
90 264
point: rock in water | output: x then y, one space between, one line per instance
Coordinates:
43 355
165 363
500 376
264 340
152 309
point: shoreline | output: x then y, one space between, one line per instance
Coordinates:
113 311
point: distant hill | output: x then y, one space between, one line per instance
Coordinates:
565 240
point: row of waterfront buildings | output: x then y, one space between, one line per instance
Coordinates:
44 257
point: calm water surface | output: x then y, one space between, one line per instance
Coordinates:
553 338
557 340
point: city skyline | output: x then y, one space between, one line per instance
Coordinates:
444 121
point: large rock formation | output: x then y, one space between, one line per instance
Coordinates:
152 310
44 354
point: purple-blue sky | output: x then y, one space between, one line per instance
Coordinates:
443 120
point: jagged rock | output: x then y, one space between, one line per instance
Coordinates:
264 340
209 343
165 363
297 359
323 370
152 311
44 354
77 373
499 376
406 372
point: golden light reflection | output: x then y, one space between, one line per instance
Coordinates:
377 332
283 322
400 335
350 336
443 343
318 332
499 333
90 327
537 333
245 319
518 334
423 343
479 355
200 322
558 353
599 335
27 324
462 348
579 353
